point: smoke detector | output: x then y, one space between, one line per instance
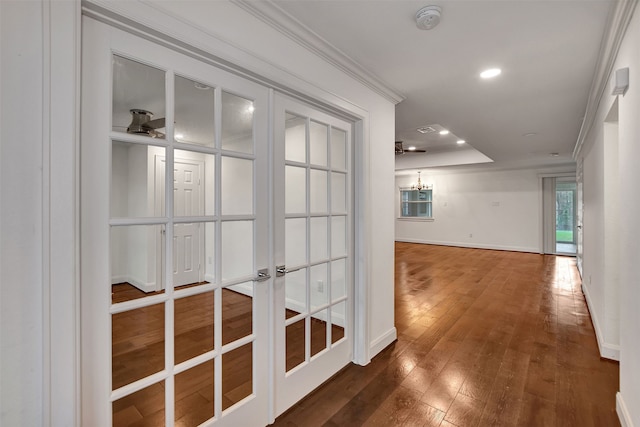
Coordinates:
428 17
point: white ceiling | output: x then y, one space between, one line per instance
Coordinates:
547 51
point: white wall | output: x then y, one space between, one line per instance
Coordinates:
480 209
627 292
21 214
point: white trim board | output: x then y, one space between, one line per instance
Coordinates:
623 412
608 351
472 246
383 341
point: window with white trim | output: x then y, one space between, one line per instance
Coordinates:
416 203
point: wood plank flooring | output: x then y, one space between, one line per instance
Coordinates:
486 338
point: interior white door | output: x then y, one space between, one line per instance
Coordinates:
314 253
182 356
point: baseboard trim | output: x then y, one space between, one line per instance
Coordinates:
607 350
145 287
623 412
472 245
382 342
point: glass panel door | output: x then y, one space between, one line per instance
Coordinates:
565 214
313 249
175 226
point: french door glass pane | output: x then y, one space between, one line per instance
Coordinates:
237 186
338 321
295 190
194 112
194 183
136 258
193 326
338 149
144 407
318 332
295 241
338 236
295 352
318 134
237 123
193 253
237 375
194 395
147 100
137 344
135 170
338 192
318 292
237 312
318 190
295 138
296 293
318 239
338 279
237 249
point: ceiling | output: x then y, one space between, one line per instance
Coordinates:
547 51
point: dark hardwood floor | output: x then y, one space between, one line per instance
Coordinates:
486 338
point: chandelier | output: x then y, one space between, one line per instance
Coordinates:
419 186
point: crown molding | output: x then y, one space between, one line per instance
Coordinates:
277 18
616 29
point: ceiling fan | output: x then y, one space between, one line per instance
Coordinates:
400 149
141 123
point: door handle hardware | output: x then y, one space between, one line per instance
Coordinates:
263 274
281 270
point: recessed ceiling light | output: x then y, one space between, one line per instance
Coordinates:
444 132
412 148
529 134
179 136
251 108
461 141
554 154
426 129
491 72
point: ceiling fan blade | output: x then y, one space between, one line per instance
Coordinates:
155 123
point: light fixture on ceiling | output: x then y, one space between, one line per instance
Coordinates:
178 136
142 124
428 17
529 134
461 141
412 148
554 154
490 73
419 185
444 132
426 129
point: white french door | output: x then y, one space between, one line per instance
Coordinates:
313 224
182 355
189 206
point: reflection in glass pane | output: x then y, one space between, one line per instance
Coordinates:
193 181
237 123
295 189
237 186
338 236
295 286
137 344
338 321
318 134
136 269
144 407
187 254
295 241
139 87
338 192
136 170
295 138
194 112
194 395
338 149
193 326
237 375
318 190
318 289
237 249
318 332
295 345
318 239
237 312
338 279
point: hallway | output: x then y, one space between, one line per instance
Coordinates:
484 338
